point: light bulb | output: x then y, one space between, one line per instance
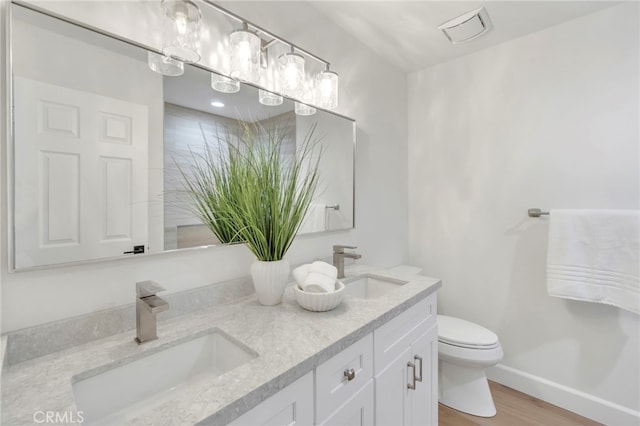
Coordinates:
244 56
292 74
181 23
327 89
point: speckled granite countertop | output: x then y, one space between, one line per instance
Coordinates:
290 342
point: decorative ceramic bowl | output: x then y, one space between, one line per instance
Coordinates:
320 302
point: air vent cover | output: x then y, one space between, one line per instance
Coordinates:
467 27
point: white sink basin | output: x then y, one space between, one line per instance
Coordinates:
113 393
371 286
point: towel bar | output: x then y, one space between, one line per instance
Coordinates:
536 213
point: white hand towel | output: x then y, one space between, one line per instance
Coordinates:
300 273
325 269
594 255
317 282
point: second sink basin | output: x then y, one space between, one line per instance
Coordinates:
111 394
370 286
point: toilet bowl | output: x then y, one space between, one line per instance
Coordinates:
465 350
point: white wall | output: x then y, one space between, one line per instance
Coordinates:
549 120
35 297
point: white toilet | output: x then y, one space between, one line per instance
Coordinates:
465 350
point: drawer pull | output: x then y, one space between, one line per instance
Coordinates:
418 358
413 376
350 374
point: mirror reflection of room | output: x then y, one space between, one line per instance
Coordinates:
98 138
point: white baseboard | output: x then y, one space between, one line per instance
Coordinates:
586 405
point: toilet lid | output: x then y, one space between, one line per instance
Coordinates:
458 332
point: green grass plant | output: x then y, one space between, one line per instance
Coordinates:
252 190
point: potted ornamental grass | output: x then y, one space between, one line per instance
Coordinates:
256 188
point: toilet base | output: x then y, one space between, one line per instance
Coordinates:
465 389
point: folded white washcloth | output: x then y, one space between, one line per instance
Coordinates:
300 273
317 282
325 269
313 288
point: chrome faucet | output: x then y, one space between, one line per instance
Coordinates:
339 255
147 306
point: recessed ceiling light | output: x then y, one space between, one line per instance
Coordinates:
217 104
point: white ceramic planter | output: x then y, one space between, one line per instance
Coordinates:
269 280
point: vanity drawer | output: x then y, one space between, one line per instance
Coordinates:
333 386
396 335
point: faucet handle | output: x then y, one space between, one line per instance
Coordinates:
340 248
148 288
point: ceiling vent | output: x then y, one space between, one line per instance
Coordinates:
467 27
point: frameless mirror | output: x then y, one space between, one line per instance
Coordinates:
98 138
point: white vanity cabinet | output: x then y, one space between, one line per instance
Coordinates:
406 363
389 377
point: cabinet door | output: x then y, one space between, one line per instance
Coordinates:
293 405
356 411
392 393
422 406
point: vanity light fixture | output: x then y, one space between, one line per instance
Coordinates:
164 65
327 89
292 74
224 84
248 58
245 54
181 30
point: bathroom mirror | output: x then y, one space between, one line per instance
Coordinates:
97 136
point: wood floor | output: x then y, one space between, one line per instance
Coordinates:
514 409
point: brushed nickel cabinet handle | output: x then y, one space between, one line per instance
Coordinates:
418 358
350 374
413 376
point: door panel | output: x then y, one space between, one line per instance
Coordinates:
85 160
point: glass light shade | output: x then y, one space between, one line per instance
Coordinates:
164 65
224 84
304 109
270 80
244 49
292 75
268 98
327 89
181 30
308 99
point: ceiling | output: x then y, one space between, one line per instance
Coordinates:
406 32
